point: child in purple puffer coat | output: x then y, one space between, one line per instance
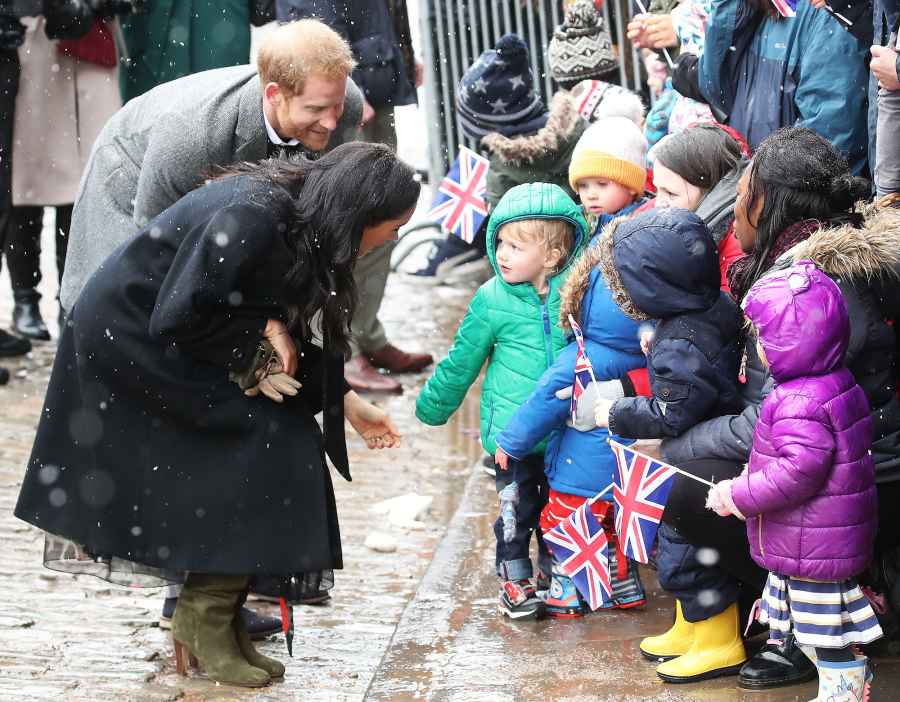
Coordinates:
808 492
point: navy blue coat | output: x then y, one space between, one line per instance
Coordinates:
668 267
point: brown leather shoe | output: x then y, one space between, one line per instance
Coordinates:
395 360
362 377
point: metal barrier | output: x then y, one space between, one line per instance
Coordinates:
455 32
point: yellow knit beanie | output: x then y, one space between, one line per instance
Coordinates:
612 148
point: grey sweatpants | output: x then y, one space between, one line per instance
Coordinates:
887 140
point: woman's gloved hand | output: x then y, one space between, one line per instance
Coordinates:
584 410
275 386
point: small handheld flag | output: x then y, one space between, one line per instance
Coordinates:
641 489
584 371
786 8
582 551
459 203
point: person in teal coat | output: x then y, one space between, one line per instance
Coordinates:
534 234
766 71
175 38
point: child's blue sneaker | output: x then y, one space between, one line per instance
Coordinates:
563 600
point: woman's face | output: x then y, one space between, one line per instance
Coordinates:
674 191
377 234
745 222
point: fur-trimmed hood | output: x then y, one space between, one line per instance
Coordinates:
659 264
589 299
576 286
599 257
563 124
855 253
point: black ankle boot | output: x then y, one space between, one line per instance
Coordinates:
13 345
27 319
776 665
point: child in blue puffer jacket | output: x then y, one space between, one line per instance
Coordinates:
579 465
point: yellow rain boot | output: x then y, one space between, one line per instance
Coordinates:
717 650
675 642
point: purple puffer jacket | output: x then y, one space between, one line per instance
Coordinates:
809 491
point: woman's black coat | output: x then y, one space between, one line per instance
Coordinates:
161 458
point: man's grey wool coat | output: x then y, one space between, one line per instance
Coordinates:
159 147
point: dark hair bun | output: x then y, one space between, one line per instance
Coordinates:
847 190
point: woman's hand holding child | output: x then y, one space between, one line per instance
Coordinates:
601 412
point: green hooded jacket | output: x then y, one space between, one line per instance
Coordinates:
507 324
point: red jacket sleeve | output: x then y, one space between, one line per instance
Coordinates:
729 252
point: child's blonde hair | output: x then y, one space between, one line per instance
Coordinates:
549 233
753 332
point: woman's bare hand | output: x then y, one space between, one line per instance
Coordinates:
371 423
277 335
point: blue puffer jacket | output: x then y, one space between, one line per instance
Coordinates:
578 463
664 265
768 73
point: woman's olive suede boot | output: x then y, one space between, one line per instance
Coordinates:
274 668
203 630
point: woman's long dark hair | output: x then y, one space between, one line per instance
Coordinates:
702 155
801 176
335 198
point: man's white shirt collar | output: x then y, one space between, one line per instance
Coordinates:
273 135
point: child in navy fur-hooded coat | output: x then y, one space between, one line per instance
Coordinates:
662 265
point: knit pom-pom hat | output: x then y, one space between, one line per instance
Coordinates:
497 93
613 148
581 46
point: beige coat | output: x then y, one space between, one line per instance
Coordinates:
62 105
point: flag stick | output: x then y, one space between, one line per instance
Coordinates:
665 51
839 16
667 465
602 492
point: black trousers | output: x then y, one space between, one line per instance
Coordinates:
686 512
513 561
23 244
9 88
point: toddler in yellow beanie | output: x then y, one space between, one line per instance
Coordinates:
608 170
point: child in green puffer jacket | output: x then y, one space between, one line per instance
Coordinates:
534 234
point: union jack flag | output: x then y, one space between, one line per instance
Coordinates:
582 551
584 371
786 8
640 492
459 203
